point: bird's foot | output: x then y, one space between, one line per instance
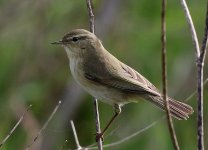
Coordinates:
99 136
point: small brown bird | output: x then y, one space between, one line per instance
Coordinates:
108 79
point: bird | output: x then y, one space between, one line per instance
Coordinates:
109 80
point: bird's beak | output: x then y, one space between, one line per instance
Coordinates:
58 42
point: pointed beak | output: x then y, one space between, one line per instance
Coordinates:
58 42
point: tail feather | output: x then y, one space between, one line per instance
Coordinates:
178 109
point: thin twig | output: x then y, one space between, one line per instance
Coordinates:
44 126
130 136
200 56
92 29
204 42
14 128
164 77
106 136
192 28
75 135
200 70
97 120
200 117
91 16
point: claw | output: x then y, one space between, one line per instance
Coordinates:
99 136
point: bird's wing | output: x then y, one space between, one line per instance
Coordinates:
126 79
140 80
132 76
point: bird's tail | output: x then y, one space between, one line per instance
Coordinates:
178 109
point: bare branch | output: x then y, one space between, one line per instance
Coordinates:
192 28
130 136
200 70
97 120
44 126
91 16
14 128
92 29
106 136
75 135
200 56
204 42
164 77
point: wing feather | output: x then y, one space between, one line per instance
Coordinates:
125 79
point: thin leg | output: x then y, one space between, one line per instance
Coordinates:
117 112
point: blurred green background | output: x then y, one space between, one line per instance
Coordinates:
32 71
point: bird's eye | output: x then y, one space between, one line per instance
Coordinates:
75 39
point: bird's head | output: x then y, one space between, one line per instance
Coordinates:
78 41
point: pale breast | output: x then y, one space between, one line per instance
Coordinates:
100 92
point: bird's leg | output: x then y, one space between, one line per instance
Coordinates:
117 112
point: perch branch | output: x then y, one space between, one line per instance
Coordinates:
97 119
130 136
91 16
92 29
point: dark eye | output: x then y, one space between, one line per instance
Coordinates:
75 39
